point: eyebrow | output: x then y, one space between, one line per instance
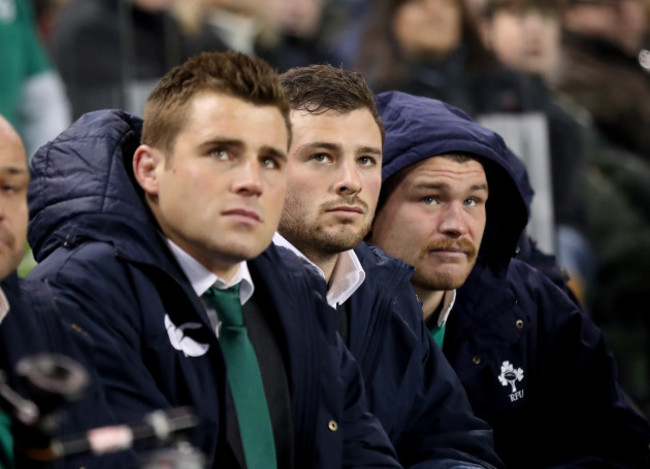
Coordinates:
223 141
336 147
274 152
441 185
13 171
240 145
371 150
327 145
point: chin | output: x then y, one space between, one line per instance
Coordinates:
438 281
340 243
251 252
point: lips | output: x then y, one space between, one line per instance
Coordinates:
242 212
347 208
448 251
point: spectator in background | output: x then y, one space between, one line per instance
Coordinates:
111 53
353 17
285 33
32 96
433 48
238 24
601 41
610 94
525 36
301 33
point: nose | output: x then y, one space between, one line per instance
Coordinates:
533 23
453 221
349 182
248 179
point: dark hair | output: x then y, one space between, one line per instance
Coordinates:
229 73
381 59
546 6
321 88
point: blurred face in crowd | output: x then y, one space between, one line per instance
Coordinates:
526 39
333 181
428 28
622 22
219 194
434 220
298 17
14 179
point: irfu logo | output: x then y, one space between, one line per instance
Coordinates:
509 376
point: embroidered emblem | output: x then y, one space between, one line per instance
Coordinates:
180 341
509 376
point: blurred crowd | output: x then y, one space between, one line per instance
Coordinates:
567 82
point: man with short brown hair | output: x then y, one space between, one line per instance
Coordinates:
334 177
163 244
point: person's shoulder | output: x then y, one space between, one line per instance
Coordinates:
82 260
530 276
370 256
279 258
386 274
553 305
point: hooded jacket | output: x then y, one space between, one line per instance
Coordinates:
411 387
533 366
100 247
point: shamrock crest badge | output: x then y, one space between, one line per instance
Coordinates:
510 376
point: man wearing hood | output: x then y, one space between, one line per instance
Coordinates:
145 225
533 365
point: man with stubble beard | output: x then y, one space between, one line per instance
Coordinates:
333 182
534 367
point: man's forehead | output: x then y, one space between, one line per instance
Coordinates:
443 171
12 156
451 160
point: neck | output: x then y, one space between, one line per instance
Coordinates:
326 262
430 300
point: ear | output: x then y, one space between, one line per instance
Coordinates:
147 162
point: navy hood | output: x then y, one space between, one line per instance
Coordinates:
82 184
418 128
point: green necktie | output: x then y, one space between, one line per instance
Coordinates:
6 442
245 379
439 334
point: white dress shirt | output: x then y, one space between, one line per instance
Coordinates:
202 279
347 277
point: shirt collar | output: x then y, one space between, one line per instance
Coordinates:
4 305
202 279
447 303
347 277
